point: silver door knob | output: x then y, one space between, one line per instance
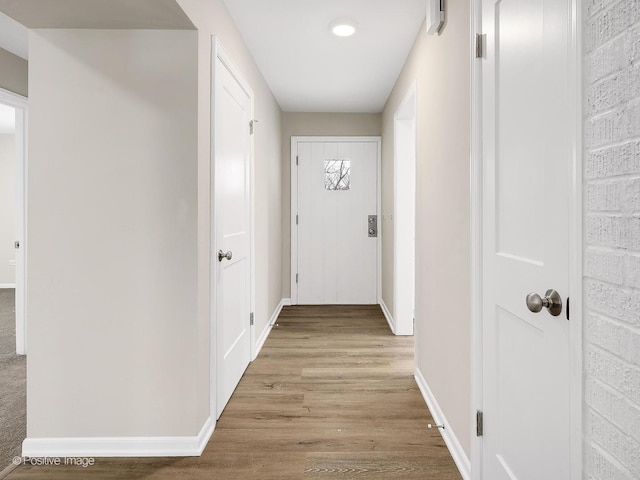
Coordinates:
222 255
551 301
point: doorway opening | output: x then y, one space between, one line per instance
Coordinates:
404 213
13 345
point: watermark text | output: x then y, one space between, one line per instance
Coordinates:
55 461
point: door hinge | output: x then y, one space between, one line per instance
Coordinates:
479 423
568 298
251 127
16 244
296 278
479 45
296 160
296 219
251 318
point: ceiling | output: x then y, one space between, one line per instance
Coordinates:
311 70
7 120
141 14
307 67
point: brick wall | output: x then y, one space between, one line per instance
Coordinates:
612 236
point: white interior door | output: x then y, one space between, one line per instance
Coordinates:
337 191
232 187
527 152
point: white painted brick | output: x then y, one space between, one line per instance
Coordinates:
632 270
609 92
602 197
605 266
611 161
613 126
631 200
610 231
632 45
633 84
612 405
614 302
609 23
620 445
622 341
595 6
603 467
614 372
606 128
631 122
609 58
611 105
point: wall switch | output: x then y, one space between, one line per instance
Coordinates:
12 263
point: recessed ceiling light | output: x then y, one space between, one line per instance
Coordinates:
343 27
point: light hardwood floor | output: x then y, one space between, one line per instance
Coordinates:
330 396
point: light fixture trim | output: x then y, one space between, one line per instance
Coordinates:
343 27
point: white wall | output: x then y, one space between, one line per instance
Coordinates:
314 124
112 234
119 290
212 18
7 208
440 67
612 236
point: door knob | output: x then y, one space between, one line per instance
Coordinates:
222 255
551 301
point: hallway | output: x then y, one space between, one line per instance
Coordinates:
331 395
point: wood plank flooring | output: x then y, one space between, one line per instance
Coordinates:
331 396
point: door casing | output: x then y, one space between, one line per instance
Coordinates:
21 106
405 146
575 238
294 205
219 53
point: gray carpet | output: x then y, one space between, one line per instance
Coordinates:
13 384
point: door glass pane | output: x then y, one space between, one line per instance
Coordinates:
337 174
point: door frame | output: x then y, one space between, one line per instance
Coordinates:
21 106
294 204
403 291
218 52
575 238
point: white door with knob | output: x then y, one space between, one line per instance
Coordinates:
527 125
232 232
335 227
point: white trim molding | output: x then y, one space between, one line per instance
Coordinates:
387 315
476 195
7 285
405 159
576 246
120 446
285 302
450 439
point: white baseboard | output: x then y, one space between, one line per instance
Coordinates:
285 302
388 316
453 444
7 285
120 446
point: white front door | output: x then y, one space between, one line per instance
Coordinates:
337 191
231 246
527 153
